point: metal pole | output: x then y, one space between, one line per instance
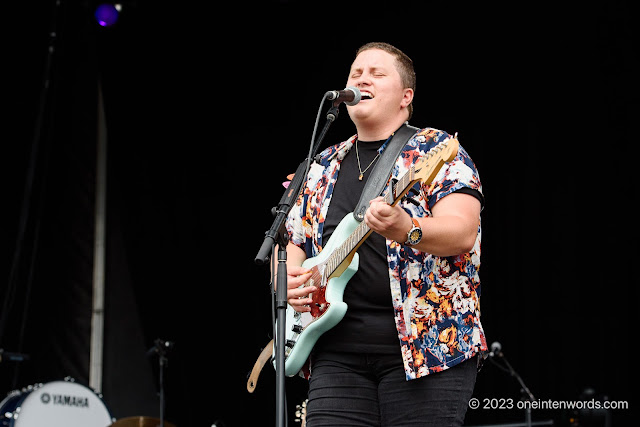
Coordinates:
97 311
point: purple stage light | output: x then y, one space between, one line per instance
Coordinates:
107 14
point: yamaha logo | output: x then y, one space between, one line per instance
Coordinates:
65 400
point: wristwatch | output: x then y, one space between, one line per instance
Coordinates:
415 234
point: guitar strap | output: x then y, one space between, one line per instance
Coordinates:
265 355
382 170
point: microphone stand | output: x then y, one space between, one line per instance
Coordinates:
524 389
278 234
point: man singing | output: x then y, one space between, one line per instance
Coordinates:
406 351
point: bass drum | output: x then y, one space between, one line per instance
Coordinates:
54 404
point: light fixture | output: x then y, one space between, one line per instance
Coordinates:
107 13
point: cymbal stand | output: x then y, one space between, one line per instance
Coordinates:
161 348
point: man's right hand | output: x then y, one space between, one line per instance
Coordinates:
298 297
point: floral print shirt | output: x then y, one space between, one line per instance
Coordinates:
436 300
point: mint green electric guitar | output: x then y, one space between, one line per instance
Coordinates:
338 262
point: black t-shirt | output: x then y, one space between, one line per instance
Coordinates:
368 325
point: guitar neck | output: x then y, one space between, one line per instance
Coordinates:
362 232
349 246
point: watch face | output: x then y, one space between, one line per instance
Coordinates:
415 236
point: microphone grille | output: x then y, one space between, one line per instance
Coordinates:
357 95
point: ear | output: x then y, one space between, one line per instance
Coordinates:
407 97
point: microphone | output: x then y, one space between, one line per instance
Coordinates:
496 349
350 96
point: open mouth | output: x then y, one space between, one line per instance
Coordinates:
365 95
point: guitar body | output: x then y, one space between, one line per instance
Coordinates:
304 329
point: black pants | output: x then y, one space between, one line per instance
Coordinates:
371 390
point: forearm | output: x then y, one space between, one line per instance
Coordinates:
295 256
450 230
446 235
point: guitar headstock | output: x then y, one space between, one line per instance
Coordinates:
428 166
425 169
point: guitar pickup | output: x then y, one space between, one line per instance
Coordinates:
413 192
411 200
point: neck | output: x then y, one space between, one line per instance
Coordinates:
378 131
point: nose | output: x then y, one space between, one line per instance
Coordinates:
361 81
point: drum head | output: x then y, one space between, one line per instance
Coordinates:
62 404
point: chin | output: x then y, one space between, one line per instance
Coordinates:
359 114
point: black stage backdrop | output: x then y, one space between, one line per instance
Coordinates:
208 109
